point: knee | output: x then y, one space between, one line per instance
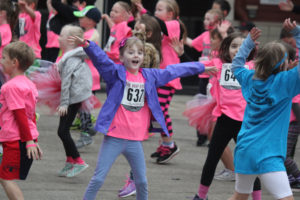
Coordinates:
96 181
141 183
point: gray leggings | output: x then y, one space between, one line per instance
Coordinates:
110 149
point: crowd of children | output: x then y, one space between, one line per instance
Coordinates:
141 67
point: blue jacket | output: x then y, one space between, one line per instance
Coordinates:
115 77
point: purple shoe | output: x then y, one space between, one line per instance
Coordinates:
128 189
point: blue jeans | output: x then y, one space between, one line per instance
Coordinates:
110 149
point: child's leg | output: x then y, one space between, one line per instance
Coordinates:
110 149
65 123
243 186
134 153
12 190
277 183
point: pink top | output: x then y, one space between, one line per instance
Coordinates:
117 33
6 36
52 38
169 56
202 43
95 74
30 31
17 93
229 101
129 122
296 99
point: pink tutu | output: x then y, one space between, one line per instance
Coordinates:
48 83
199 112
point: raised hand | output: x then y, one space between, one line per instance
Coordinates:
255 34
77 41
289 25
286 6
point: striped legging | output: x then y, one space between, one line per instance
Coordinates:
290 164
165 95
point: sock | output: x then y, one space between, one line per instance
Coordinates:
203 190
70 160
79 161
256 195
168 144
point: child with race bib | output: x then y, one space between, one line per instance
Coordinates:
229 111
268 90
131 100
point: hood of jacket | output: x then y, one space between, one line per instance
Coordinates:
77 52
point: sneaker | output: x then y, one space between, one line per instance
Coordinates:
157 153
76 124
68 166
92 131
93 118
202 140
225 175
128 189
196 197
77 169
84 140
167 154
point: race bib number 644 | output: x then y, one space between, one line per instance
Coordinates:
228 79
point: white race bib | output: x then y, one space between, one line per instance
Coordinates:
110 41
22 26
134 96
227 79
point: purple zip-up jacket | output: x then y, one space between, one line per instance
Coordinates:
115 77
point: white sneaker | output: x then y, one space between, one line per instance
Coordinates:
225 175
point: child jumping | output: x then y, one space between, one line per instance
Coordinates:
268 90
131 99
18 132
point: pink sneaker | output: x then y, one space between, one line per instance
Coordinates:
128 189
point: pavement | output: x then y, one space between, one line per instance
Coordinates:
177 180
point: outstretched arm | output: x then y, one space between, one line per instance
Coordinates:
108 20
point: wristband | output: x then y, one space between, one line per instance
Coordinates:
85 44
30 145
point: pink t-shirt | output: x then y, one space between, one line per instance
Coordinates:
202 43
52 38
117 33
6 36
17 93
169 56
95 74
30 31
132 119
229 101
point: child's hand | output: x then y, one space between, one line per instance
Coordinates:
288 25
33 150
255 33
223 28
62 110
22 4
286 6
77 41
293 63
177 45
105 16
210 70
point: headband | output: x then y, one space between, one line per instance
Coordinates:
280 62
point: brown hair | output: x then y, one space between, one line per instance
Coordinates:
32 1
267 57
129 42
224 47
152 26
12 14
22 52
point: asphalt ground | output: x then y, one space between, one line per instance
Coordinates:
177 180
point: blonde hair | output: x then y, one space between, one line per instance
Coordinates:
124 5
129 42
22 52
172 6
218 15
267 57
73 30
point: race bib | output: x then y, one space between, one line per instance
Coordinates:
110 41
134 96
227 79
22 26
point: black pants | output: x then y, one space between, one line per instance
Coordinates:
65 123
225 130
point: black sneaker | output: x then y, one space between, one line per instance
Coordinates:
157 152
295 186
167 154
202 140
196 197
